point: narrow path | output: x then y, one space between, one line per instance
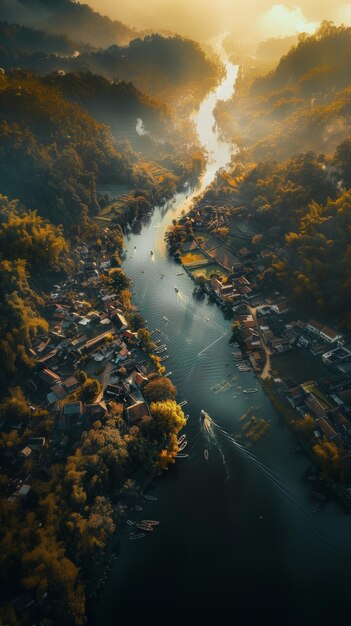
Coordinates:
104 380
267 366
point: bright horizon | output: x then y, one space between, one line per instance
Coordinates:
256 19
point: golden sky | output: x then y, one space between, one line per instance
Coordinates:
246 19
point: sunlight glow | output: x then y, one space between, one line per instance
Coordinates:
280 21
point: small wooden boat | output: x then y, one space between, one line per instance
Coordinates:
136 536
206 455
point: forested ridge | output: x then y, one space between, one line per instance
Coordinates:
303 104
293 172
77 20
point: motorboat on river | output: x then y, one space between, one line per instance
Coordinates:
251 390
176 289
203 414
206 454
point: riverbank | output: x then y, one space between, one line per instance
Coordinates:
246 515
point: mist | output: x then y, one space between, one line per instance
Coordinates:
253 20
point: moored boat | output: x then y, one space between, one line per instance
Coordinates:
146 527
136 536
206 454
251 390
181 439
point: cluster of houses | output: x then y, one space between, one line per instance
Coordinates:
87 332
328 403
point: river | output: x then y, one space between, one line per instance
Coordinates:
239 537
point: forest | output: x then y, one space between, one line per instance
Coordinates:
77 20
303 104
292 174
162 67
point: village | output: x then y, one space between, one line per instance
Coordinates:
88 359
304 365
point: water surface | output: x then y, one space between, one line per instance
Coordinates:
239 538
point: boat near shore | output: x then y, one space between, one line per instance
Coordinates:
136 536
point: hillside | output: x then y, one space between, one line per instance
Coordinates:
169 68
303 104
73 19
52 152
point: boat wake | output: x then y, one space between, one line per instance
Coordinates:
212 439
212 427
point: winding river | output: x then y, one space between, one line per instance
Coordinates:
239 539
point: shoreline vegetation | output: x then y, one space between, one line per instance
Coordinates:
268 241
88 416
88 421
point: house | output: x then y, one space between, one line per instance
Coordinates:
267 333
26 452
123 354
333 357
23 491
295 396
280 308
70 384
315 406
327 429
137 379
137 411
48 359
303 342
57 393
279 344
95 410
314 327
330 335
130 337
49 377
119 321
72 413
91 344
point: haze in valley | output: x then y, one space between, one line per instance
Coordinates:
258 19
